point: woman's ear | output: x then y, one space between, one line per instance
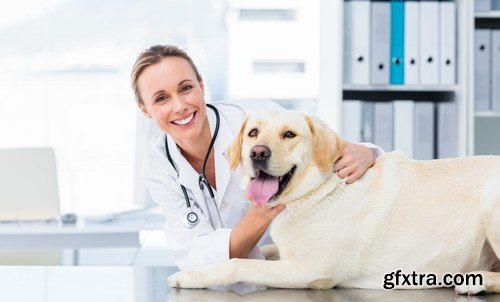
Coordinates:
327 145
234 150
142 107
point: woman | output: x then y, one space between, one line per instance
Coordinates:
170 90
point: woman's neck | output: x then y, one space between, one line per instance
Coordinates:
194 150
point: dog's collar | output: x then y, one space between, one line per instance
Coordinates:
304 203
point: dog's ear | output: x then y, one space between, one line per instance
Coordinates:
327 145
234 150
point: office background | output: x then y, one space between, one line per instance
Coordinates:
65 65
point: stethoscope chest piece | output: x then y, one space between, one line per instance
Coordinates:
190 219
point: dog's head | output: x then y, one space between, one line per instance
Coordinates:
284 155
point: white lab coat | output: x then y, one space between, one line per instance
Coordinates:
202 245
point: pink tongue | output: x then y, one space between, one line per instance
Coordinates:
262 188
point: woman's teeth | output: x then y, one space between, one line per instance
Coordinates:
184 121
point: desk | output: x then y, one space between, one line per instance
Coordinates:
129 284
56 236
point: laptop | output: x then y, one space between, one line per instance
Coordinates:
28 185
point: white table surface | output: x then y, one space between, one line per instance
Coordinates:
145 284
81 235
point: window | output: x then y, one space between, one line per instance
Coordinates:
64 70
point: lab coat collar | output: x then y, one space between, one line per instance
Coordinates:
222 172
187 174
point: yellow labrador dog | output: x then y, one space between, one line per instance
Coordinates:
416 221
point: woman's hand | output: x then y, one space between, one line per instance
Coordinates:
252 226
265 213
353 162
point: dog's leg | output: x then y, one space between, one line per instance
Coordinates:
490 206
270 252
490 284
492 279
279 273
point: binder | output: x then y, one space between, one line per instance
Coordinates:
495 72
357 42
383 135
403 126
424 131
351 121
380 42
397 42
412 45
482 56
368 123
495 4
482 5
447 47
447 139
429 42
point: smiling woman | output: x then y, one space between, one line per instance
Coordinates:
170 90
172 95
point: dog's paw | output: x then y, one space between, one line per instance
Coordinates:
187 279
471 289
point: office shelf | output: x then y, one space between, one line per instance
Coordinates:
488 15
495 114
332 90
402 88
400 92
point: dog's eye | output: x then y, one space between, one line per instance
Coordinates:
289 134
253 132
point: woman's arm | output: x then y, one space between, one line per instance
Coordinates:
355 160
246 235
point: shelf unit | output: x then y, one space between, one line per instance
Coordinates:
481 143
332 91
488 15
415 88
487 114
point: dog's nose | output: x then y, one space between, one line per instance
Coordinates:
259 154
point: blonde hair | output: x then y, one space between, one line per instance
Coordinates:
153 55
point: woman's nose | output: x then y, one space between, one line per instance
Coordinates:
179 105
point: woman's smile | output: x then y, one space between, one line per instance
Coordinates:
186 121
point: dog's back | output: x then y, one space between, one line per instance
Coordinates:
401 215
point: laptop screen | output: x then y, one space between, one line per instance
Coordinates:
28 184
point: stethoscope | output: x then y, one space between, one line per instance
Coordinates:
191 219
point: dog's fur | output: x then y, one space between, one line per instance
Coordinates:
439 216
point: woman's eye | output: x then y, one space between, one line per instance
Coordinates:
253 133
161 99
186 88
289 134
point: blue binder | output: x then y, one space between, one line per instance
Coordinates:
397 41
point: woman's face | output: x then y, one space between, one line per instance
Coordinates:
173 97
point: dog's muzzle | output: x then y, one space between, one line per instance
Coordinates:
260 155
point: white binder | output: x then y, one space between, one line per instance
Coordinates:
447 134
380 42
495 4
357 42
429 42
412 45
482 5
384 125
367 121
404 126
482 69
351 121
424 131
495 72
447 56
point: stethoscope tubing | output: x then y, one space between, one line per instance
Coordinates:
190 219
